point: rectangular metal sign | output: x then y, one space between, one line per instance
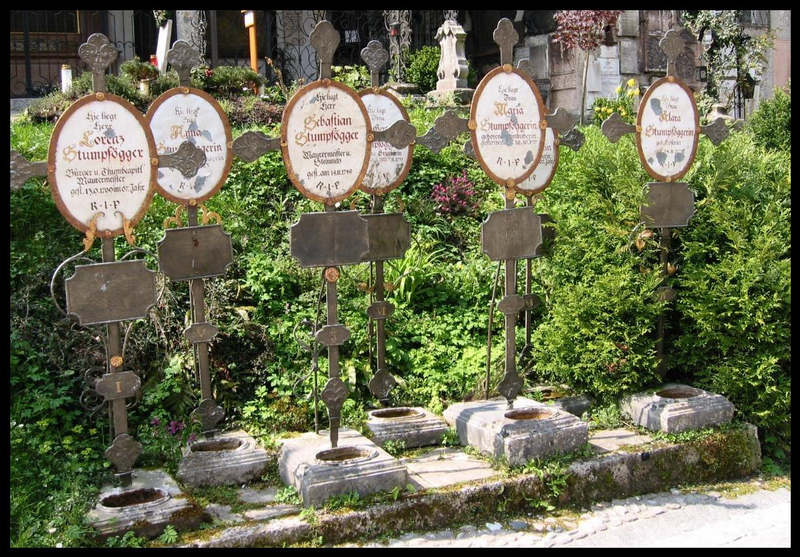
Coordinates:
195 252
389 236
329 239
669 205
110 292
511 234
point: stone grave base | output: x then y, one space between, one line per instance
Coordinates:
318 471
230 458
530 430
675 407
461 95
152 501
416 427
576 404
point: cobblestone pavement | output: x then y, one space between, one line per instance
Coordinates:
669 519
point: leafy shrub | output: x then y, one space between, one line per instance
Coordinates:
772 122
250 110
355 77
227 81
422 67
137 69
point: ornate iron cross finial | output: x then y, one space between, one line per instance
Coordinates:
376 57
324 38
446 128
182 57
672 44
22 169
506 37
99 54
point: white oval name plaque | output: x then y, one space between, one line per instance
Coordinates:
506 121
186 114
326 140
388 166
101 164
668 126
545 170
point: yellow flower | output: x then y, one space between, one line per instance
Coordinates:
631 82
622 113
631 92
619 89
635 92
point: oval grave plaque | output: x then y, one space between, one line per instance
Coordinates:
326 140
388 167
506 121
186 114
101 164
668 126
543 174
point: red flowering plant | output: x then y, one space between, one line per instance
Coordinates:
455 196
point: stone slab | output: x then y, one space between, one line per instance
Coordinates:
673 411
415 426
609 440
262 496
484 425
446 466
233 466
273 511
147 519
370 470
222 513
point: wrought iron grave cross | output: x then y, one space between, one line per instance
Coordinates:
667 133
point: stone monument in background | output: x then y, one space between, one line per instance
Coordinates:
453 68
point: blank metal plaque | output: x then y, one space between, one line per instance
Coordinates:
110 292
329 239
389 236
511 234
195 252
669 205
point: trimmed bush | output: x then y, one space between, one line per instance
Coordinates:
772 122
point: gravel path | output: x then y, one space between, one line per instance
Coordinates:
668 519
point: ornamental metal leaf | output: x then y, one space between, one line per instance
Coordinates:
22 169
182 57
615 127
334 394
450 125
123 452
561 120
209 414
375 57
716 131
399 135
672 44
187 159
324 38
574 139
98 53
381 383
469 150
506 37
251 145
510 386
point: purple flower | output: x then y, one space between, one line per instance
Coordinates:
174 427
192 438
155 421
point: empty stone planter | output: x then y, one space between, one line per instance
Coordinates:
318 471
574 404
675 407
530 430
416 427
152 501
232 458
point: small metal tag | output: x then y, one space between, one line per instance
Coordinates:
195 252
200 332
389 236
110 292
380 310
511 234
329 239
333 335
670 205
118 385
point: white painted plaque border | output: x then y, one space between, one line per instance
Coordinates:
287 160
509 183
151 159
228 144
